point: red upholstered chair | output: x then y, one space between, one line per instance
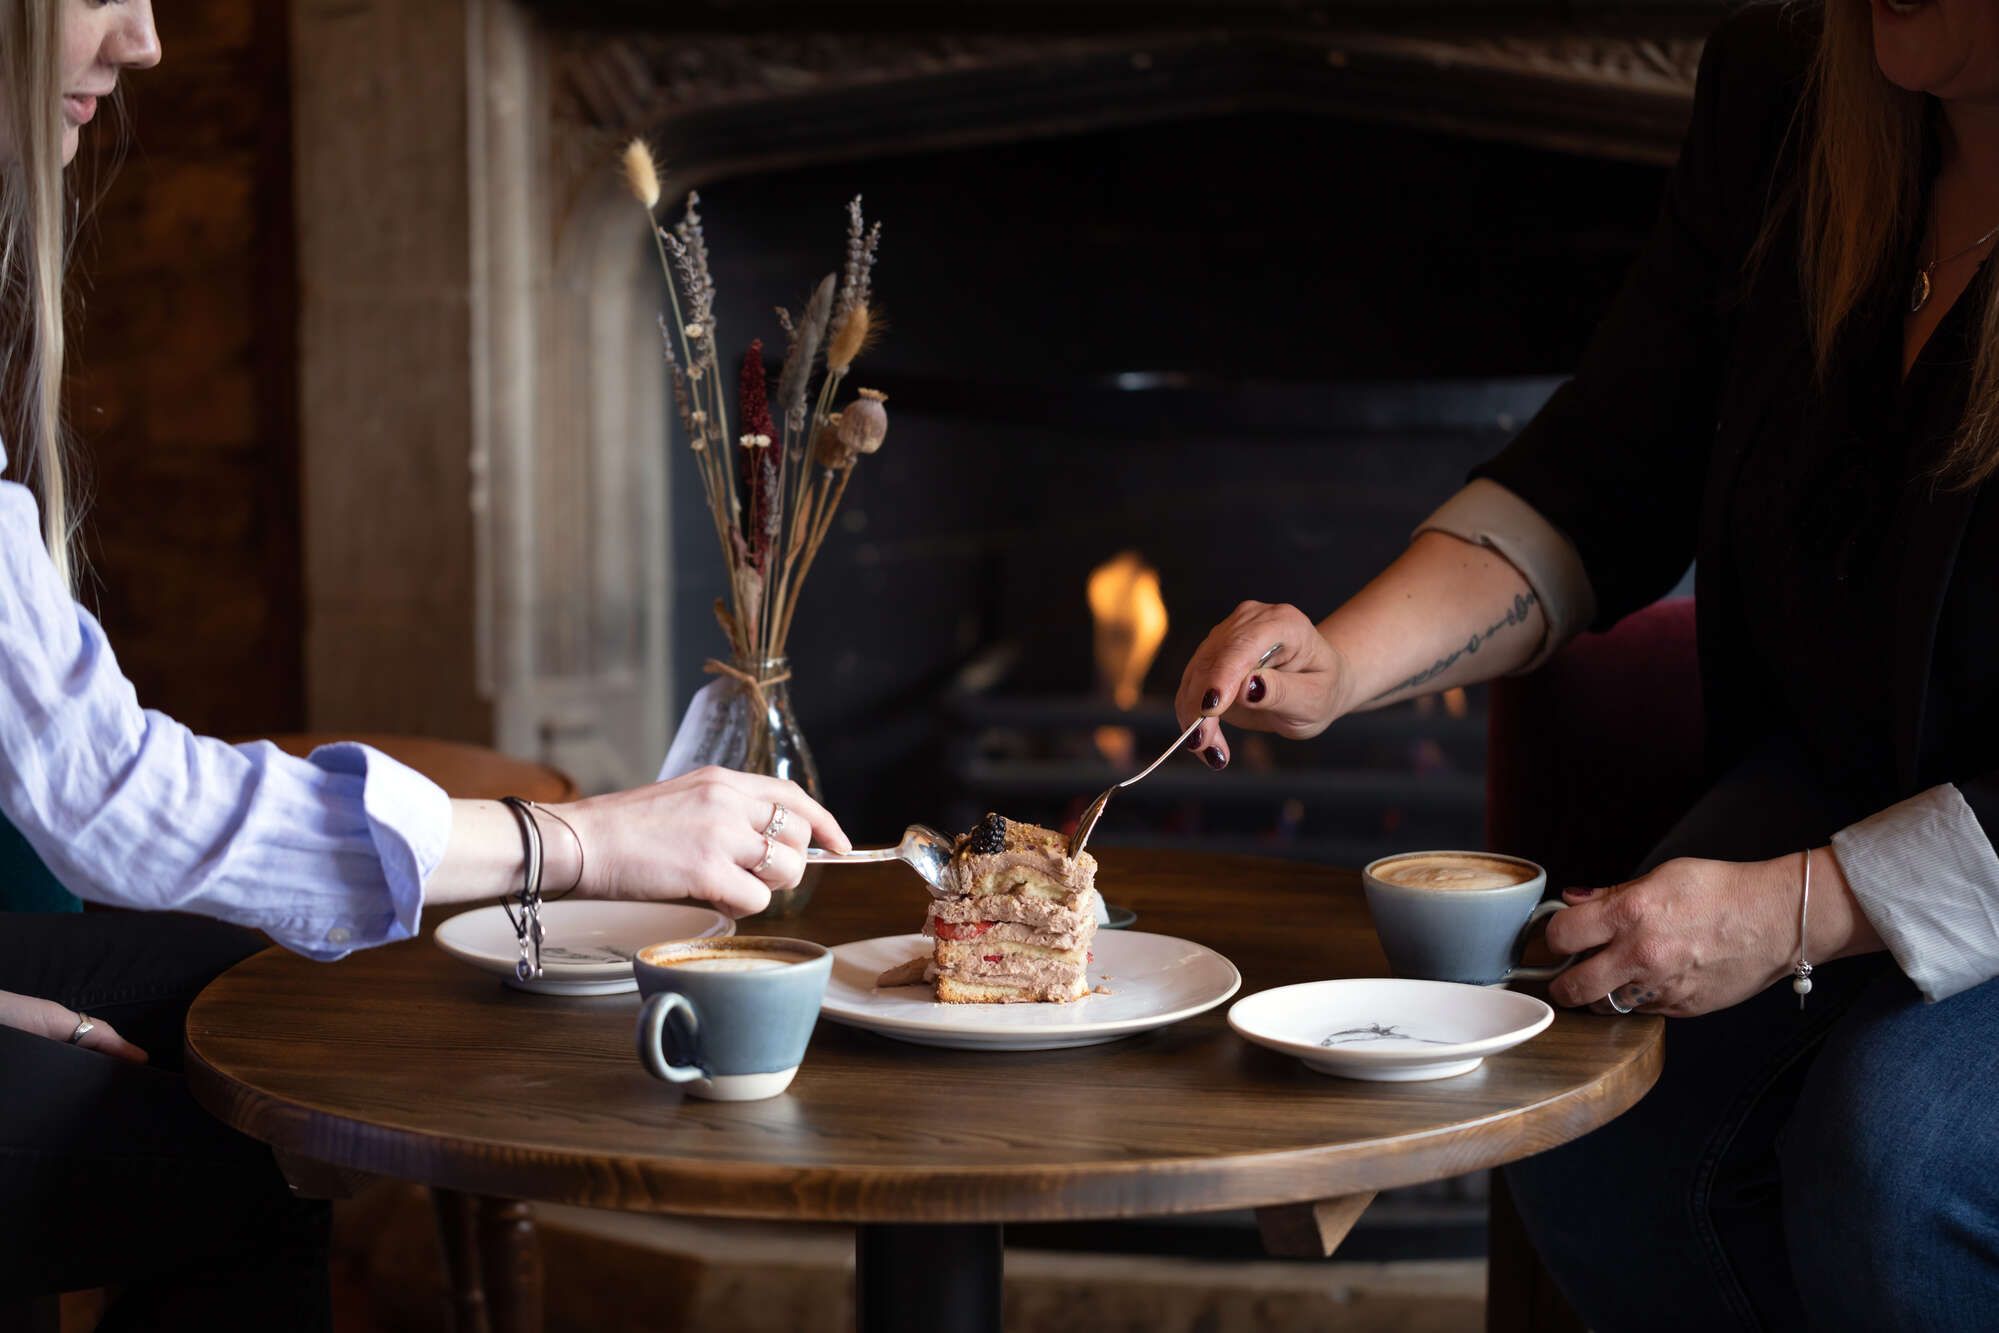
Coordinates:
1595 756
1591 761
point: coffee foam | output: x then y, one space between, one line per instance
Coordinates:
734 963
722 960
1448 871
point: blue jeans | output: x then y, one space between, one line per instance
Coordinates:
1832 1168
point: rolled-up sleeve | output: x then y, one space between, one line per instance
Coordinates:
128 807
1927 878
1486 514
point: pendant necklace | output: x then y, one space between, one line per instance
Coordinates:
1919 290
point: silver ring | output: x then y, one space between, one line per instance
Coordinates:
770 850
1611 1000
778 815
84 1027
1268 653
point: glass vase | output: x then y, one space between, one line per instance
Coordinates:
725 727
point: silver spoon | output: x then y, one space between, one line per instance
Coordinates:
927 851
1088 823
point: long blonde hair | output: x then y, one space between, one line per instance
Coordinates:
33 249
1861 205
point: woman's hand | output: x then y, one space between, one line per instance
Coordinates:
1696 936
698 836
46 1018
1297 693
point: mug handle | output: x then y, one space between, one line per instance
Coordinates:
1543 973
652 1028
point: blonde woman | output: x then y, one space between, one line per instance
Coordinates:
109 1175
1799 386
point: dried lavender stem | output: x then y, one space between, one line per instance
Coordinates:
711 470
821 409
812 546
795 542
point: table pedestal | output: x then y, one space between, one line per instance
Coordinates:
927 1279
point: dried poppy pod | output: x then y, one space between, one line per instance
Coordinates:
864 423
828 450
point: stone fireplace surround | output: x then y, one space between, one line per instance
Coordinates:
484 493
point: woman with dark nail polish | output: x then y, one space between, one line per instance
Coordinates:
1796 393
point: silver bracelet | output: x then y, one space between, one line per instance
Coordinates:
527 926
1801 975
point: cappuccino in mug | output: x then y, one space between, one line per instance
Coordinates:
1457 916
1454 870
729 1019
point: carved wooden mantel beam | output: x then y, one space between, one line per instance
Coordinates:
719 103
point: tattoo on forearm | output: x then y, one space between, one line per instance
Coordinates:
1516 614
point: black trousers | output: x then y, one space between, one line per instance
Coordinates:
110 1174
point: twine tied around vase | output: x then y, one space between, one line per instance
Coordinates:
756 685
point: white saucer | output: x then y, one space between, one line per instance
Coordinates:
1153 980
587 947
1389 1030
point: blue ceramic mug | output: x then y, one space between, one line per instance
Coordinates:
1458 916
729 1018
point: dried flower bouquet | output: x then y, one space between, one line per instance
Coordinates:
773 484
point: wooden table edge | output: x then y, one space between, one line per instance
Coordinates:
697 1188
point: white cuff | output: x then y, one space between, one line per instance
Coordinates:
1928 879
1487 514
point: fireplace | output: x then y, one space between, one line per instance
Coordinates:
1251 350
1345 244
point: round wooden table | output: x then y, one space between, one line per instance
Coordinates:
404 1062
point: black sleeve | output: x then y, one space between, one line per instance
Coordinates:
1982 795
1618 457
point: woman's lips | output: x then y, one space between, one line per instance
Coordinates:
1899 7
78 108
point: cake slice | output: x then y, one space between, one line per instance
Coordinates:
1019 928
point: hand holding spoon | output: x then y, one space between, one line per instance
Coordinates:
927 852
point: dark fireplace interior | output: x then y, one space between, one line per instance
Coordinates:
1254 349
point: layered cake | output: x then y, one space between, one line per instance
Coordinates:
1019 925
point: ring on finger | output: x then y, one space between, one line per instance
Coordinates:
1611 1000
778 814
770 850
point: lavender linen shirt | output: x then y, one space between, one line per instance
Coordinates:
128 807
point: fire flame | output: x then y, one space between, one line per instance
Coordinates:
1130 620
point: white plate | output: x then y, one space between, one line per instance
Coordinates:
587 946
1389 1030
1153 980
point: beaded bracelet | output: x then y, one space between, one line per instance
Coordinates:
527 926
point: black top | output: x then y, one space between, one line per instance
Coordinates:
1844 598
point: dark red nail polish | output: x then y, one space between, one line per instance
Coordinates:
1194 741
1256 689
1214 758
1211 701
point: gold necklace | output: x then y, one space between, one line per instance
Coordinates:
1919 290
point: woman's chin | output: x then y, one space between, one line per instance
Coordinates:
71 137
1918 46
